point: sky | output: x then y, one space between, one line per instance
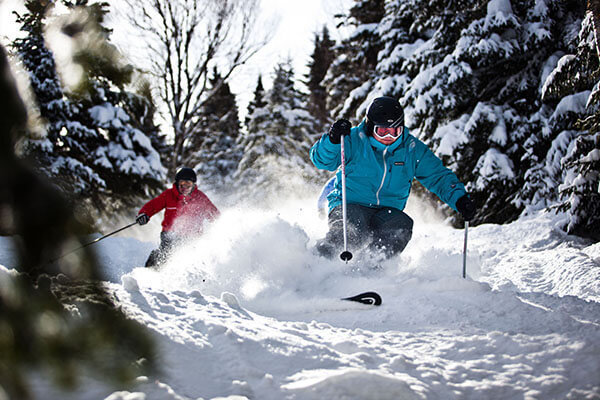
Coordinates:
298 21
8 27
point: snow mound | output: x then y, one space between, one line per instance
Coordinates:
254 313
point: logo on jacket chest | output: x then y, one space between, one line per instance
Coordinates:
399 163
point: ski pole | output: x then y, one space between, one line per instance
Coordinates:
464 274
94 241
345 255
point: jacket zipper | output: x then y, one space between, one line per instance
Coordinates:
384 174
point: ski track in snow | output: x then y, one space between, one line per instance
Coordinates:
252 313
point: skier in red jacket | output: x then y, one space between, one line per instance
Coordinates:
187 210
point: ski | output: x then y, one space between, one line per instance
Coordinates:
370 298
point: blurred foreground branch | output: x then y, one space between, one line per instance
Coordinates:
42 329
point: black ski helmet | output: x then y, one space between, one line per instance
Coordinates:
185 174
384 111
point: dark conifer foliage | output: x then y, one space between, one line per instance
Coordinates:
321 59
258 100
355 59
213 151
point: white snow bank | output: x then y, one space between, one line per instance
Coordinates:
249 312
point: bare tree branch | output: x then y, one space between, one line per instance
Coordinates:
186 39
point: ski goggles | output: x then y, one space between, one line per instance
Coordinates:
383 132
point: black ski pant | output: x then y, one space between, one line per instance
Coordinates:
160 255
383 229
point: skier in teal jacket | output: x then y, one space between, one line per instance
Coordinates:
382 159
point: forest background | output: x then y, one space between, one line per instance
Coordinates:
504 92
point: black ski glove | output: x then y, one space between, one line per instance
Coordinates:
466 207
142 219
340 128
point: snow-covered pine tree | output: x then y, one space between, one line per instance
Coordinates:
580 189
258 100
213 152
92 147
59 152
141 104
321 59
128 163
469 75
278 139
347 81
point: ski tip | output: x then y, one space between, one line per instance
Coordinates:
370 298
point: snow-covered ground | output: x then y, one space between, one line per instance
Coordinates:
249 312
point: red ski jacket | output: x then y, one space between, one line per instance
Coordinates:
184 215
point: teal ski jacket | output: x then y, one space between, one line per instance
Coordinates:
381 176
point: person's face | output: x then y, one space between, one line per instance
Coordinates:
185 187
387 135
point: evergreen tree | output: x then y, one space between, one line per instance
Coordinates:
322 58
218 156
66 143
279 137
141 104
348 79
127 162
93 147
258 101
469 75
580 189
